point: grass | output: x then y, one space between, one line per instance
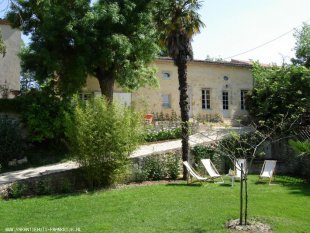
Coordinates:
165 208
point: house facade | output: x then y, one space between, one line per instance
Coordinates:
214 89
10 63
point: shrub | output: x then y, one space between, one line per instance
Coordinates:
44 186
209 152
17 190
163 135
157 167
101 136
173 166
43 114
202 152
154 168
11 144
10 105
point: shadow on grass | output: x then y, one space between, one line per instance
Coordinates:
185 185
225 185
297 185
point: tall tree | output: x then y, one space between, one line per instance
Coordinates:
112 40
280 93
123 40
178 21
302 46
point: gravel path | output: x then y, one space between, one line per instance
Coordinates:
145 150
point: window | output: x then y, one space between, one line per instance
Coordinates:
243 94
205 99
165 101
225 100
166 75
85 96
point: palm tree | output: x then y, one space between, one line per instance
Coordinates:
177 22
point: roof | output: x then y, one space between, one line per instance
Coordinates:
246 64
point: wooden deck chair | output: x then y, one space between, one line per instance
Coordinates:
211 170
194 174
268 169
238 163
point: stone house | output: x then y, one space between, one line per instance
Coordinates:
216 88
10 63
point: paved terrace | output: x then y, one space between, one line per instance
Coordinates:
144 150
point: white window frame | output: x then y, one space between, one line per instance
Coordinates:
225 100
166 103
206 98
243 93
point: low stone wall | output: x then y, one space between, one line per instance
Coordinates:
169 125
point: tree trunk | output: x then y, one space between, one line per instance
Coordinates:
181 63
241 195
106 81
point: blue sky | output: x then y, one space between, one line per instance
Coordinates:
235 26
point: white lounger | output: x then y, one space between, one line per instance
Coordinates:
268 169
193 173
211 170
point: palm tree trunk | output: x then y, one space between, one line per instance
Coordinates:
106 81
181 63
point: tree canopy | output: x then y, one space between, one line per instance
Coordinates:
302 46
112 40
280 93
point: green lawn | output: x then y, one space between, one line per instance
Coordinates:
165 208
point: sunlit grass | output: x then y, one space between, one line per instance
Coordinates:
165 208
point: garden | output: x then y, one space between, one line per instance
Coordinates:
111 192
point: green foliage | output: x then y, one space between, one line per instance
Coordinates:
302 148
163 135
68 41
11 143
173 166
10 105
200 152
154 167
43 114
280 96
302 46
159 167
240 145
101 137
17 190
44 186
2 45
177 23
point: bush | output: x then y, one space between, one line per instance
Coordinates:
154 168
101 137
173 166
10 105
200 152
157 167
163 135
11 143
43 114
209 152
